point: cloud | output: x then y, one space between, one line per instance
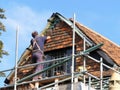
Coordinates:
28 20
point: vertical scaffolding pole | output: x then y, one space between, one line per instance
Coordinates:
89 83
73 55
16 58
84 61
101 73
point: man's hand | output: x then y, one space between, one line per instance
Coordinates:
48 37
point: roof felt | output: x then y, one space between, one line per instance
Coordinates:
110 48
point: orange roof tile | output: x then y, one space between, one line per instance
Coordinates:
109 47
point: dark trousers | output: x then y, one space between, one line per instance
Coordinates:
38 57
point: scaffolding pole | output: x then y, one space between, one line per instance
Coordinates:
102 63
89 83
101 73
73 54
48 68
16 58
43 62
84 60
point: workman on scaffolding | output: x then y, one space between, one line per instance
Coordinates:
37 43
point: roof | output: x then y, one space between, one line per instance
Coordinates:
109 47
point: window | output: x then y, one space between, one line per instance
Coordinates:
61 69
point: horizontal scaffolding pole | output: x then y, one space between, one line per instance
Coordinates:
29 65
76 75
27 82
7 70
59 81
48 68
92 48
55 83
102 63
43 62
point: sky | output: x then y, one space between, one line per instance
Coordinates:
102 16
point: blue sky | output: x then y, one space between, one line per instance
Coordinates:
102 16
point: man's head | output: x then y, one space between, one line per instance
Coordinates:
35 33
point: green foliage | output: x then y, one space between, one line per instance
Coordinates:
2 29
2 52
2 16
2 74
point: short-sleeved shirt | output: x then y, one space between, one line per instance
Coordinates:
40 41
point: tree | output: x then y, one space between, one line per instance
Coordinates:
2 29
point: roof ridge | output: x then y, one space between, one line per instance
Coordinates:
98 34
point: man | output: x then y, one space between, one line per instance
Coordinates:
37 53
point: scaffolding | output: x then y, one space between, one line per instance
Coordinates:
65 59
99 83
